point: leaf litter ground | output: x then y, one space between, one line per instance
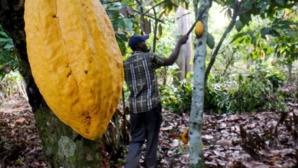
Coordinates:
258 140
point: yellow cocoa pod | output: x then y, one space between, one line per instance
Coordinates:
75 61
199 29
184 136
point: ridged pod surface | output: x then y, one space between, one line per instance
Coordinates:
75 61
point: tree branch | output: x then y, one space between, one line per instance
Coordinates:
154 6
149 16
227 31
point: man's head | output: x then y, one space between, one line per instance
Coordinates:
137 43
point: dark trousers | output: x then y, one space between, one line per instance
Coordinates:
144 126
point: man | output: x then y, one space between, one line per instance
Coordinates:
144 100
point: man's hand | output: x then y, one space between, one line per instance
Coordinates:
182 40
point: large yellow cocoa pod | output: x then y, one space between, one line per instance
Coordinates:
75 61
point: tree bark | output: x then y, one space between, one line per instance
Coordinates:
185 55
290 68
63 147
196 159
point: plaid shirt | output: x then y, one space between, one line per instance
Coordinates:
141 79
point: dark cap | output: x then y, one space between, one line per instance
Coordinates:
137 39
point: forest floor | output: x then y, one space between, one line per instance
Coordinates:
250 140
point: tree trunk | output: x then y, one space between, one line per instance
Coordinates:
63 146
290 68
185 56
196 159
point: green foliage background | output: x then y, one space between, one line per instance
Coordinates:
8 58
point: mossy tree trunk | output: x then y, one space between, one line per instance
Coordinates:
63 147
196 157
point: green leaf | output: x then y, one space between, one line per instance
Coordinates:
4 40
253 38
238 36
3 34
245 18
263 4
128 23
248 5
283 24
273 32
280 2
238 25
210 41
9 46
229 13
265 31
121 36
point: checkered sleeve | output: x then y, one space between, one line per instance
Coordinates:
157 61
